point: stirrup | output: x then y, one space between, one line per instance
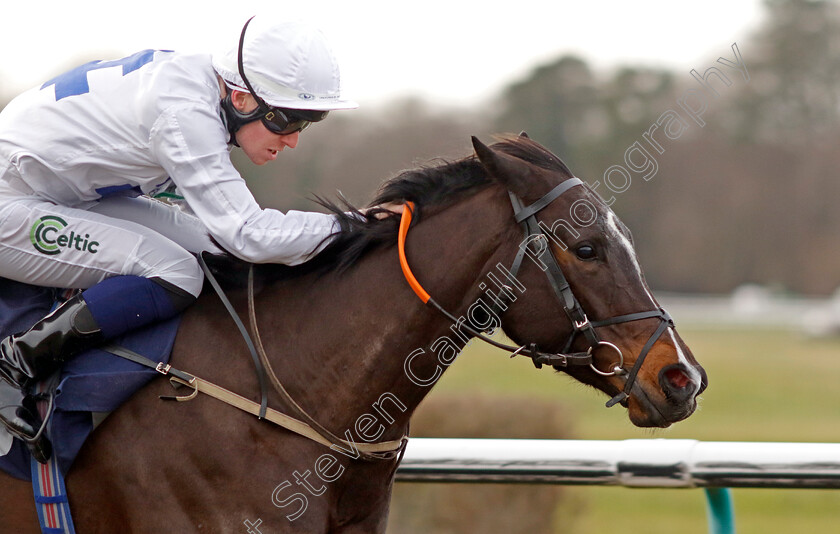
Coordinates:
40 448
39 445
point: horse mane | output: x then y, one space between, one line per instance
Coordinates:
431 186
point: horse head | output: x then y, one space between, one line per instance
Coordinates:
580 291
505 238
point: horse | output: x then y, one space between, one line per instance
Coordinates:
358 351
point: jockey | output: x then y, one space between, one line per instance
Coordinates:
81 155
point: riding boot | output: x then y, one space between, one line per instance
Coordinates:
35 354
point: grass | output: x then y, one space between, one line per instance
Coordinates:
764 386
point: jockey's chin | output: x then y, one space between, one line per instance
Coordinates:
262 145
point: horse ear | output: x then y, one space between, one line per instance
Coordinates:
523 134
510 171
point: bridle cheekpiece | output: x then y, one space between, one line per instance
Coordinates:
526 216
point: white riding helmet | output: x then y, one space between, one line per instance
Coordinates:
289 64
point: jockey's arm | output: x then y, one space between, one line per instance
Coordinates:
199 163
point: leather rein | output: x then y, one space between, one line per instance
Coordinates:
310 428
526 216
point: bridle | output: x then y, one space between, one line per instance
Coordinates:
526 216
394 449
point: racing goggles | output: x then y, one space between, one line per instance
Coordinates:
283 121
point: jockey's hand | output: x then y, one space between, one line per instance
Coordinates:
393 208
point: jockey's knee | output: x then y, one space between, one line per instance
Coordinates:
181 299
180 276
123 303
148 293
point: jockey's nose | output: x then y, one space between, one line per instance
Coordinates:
290 140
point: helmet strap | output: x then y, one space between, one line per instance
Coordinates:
235 119
261 105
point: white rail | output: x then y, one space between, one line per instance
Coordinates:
667 463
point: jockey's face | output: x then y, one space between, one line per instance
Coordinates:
258 143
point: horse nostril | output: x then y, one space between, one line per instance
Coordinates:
680 386
677 384
677 378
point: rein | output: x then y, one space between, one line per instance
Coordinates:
386 450
583 358
526 216
368 451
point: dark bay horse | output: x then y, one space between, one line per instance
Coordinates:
357 349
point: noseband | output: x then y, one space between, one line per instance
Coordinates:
526 216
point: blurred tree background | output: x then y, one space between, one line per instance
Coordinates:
746 198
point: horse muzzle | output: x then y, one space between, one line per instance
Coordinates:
673 400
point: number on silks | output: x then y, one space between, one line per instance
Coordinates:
75 82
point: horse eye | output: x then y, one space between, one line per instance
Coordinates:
586 252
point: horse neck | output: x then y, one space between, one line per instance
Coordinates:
341 342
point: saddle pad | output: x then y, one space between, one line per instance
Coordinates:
93 382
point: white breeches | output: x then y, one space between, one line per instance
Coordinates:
51 245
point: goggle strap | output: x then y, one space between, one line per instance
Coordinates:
260 102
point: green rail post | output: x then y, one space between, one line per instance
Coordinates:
720 510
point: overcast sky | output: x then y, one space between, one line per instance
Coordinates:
452 52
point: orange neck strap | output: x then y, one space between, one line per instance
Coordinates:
538 357
405 222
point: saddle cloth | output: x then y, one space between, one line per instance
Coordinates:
91 384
